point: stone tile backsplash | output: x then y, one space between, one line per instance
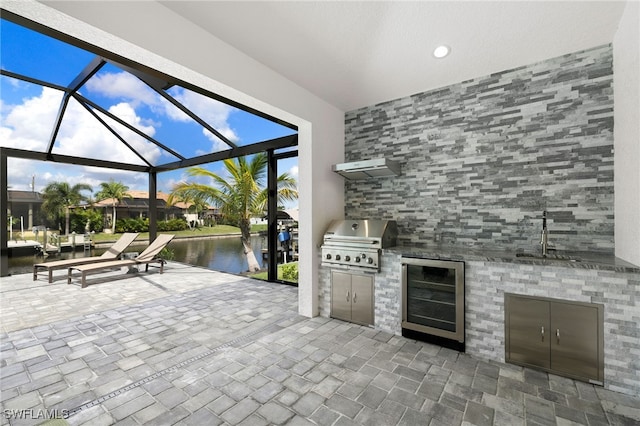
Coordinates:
483 158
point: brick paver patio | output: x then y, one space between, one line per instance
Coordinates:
193 346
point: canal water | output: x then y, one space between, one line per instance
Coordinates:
223 254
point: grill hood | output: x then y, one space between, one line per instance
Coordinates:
372 233
367 169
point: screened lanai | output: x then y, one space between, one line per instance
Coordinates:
97 109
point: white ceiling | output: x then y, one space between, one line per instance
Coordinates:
356 54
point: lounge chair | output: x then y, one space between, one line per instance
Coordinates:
112 254
149 255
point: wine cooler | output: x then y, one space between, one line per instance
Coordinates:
433 301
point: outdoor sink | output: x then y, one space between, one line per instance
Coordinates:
559 257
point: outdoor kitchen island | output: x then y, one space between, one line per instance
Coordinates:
489 274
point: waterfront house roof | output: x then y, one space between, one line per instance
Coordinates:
24 196
141 199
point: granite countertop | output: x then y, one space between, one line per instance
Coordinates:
580 260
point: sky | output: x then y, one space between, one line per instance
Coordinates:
28 111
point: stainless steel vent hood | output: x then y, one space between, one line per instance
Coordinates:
367 169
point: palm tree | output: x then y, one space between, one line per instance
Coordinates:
116 191
60 196
240 197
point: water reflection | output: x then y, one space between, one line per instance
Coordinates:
223 254
219 254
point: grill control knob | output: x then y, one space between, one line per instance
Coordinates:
337 257
370 260
358 259
328 256
347 258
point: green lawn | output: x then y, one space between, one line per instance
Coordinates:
198 232
263 275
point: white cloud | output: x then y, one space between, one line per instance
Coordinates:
213 112
293 171
126 86
21 171
82 135
29 125
123 85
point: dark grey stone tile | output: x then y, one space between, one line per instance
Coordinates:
324 416
372 396
385 380
350 390
413 418
590 407
536 378
487 369
276 373
445 415
236 390
267 391
477 414
392 409
344 406
131 407
240 411
221 404
201 417
555 397
299 421
485 384
409 373
172 397
570 414
431 391
453 401
308 404
538 410
275 413
408 385
406 398
298 384
355 363
368 416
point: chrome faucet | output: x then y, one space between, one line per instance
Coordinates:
544 238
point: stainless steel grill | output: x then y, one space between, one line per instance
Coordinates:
358 243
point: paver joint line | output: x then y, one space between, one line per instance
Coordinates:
174 368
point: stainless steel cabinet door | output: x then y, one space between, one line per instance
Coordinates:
362 299
341 295
528 331
574 343
562 337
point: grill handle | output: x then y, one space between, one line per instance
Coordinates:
363 241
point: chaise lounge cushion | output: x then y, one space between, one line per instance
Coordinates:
112 253
149 255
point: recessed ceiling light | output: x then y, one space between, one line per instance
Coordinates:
441 51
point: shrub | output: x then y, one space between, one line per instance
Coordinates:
173 225
166 254
79 218
132 225
290 272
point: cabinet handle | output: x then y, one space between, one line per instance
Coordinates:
347 296
355 296
558 335
542 332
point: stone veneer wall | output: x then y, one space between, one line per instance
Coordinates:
483 158
486 283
